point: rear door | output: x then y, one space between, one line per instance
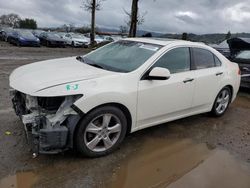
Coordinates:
208 75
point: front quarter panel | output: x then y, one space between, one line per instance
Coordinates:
121 89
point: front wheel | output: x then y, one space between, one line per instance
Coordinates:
101 131
222 102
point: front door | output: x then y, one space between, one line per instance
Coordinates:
163 100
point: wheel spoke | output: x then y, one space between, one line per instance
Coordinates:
107 142
92 128
226 98
219 100
114 129
106 120
218 109
92 144
223 94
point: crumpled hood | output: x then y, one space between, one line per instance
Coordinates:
38 76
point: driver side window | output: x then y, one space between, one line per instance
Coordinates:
176 60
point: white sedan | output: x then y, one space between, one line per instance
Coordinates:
76 40
91 102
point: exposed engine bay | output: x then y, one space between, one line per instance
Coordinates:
49 122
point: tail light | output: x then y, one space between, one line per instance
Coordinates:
239 72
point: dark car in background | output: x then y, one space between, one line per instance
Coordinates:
23 38
51 39
37 32
5 33
243 60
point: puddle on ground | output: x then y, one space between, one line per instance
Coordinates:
20 180
158 163
178 164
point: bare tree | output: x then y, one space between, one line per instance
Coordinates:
11 20
134 18
123 30
92 6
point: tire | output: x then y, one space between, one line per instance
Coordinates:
222 102
18 43
47 43
101 131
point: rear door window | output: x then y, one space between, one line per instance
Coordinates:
203 58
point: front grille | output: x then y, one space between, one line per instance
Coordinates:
50 103
19 103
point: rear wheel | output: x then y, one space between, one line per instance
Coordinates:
48 44
222 102
101 131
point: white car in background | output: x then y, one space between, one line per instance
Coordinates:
91 102
76 39
98 38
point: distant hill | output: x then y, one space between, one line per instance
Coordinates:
214 38
206 38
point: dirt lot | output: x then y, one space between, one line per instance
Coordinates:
199 151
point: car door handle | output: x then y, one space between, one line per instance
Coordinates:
188 80
219 73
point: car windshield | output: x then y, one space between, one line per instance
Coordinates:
26 34
53 35
74 35
245 55
122 56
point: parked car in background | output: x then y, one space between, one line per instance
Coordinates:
98 39
23 38
243 60
76 40
91 102
5 33
37 32
51 39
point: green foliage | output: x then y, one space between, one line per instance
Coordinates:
28 23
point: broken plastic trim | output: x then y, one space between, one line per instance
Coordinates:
77 110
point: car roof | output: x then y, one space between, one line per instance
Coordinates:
164 41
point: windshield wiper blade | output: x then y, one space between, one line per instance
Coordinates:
80 58
96 65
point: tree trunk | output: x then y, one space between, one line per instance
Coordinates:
134 17
92 32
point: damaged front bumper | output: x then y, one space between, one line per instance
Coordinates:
49 122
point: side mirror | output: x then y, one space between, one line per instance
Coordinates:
158 73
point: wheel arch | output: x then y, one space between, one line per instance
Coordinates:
122 107
231 90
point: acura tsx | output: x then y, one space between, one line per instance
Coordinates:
92 102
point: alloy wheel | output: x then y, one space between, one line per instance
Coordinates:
102 132
222 101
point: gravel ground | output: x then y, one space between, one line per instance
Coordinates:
230 133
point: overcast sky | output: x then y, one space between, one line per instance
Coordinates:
166 16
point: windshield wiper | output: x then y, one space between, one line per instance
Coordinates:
82 59
95 65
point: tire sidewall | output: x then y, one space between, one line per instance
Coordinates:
214 111
81 147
